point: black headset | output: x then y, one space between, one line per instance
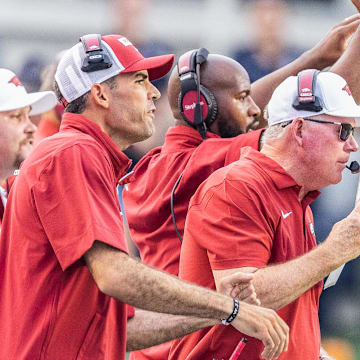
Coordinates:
306 99
95 59
197 104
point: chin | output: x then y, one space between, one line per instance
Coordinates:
142 137
150 132
336 179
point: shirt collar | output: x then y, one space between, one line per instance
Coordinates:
277 173
181 136
119 160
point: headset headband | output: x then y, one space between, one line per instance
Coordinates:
96 58
306 99
197 104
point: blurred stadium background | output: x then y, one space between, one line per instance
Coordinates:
33 33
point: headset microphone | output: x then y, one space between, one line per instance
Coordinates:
354 167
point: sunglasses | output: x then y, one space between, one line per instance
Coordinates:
345 129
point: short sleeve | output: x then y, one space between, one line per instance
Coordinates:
229 222
76 202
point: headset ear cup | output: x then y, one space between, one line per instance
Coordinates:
181 108
211 103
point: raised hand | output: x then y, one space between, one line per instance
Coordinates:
329 49
343 241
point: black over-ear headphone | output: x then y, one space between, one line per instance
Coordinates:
197 104
306 99
96 57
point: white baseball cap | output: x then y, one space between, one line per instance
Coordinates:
331 90
13 95
123 57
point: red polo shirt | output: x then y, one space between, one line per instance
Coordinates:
61 202
147 201
248 214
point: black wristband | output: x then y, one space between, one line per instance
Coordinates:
233 315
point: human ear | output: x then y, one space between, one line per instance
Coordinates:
100 95
297 128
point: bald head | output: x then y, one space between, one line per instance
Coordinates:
229 82
216 73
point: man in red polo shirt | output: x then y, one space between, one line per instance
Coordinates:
169 175
16 129
65 277
254 216
185 152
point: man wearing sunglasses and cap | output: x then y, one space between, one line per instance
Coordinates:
65 275
262 203
16 129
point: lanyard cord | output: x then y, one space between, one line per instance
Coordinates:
172 207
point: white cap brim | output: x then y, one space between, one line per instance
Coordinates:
351 112
40 102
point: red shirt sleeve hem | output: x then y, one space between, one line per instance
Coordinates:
236 263
107 236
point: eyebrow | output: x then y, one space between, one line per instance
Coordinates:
246 92
142 75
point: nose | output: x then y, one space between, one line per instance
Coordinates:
351 144
153 92
252 112
253 109
30 127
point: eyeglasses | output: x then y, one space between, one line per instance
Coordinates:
346 129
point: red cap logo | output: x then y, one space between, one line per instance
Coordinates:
15 80
347 89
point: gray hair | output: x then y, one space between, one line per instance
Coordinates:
274 132
78 105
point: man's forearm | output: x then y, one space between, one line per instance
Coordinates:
129 281
159 291
279 285
348 66
147 328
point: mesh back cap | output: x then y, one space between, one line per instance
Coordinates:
124 56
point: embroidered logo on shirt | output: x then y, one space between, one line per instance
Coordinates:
285 215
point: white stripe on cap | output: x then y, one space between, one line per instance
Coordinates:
75 81
114 57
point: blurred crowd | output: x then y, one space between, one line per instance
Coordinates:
339 308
